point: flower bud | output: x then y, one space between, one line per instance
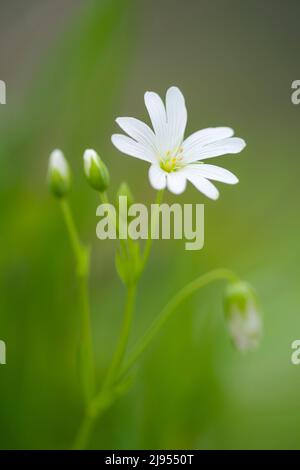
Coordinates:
242 315
95 171
59 177
124 190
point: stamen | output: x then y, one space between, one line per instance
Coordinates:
173 160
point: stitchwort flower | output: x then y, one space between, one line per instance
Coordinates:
243 315
95 170
175 160
59 177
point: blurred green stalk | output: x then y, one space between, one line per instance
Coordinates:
81 253
170 308
125 332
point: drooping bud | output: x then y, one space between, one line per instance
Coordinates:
124 190
242 315
59 176
95 171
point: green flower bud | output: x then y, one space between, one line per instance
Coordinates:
95 171
242 315
59 176
124 190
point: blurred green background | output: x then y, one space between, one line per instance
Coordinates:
71 67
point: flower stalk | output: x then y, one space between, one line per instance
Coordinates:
124 336
82 257
149 241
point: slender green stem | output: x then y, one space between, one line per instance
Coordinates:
84 432
148 245
81 254
169 309
97 407
104 197
88 371
124 336
74 238
107 395
105 398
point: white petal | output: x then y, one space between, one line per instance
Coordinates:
176 117
214 172
138 130
131 147
90 156
58 162
176 182
157 177
157 113
199 139
207 136
202 184
215 149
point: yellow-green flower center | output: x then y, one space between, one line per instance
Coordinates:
170 162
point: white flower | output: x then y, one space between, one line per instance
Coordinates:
95 170
245 329
90 157
59 176
243 315
175 160
57 162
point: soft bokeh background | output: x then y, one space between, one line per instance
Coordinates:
71 67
